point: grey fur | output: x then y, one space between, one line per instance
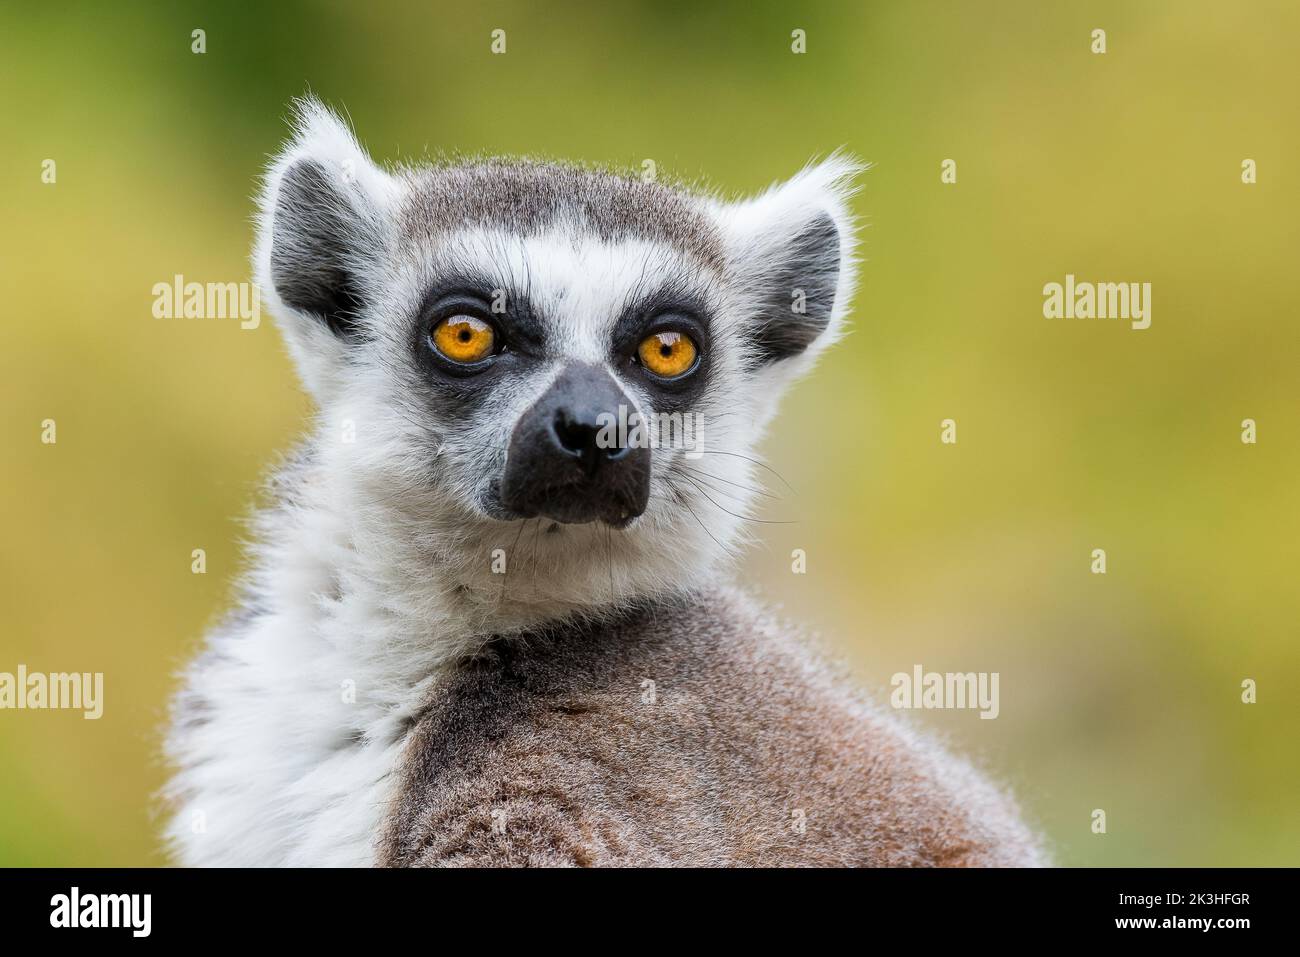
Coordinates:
525 198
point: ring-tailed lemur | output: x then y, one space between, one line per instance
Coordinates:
478 629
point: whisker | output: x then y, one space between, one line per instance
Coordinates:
757 490
743 518
747 458
681 500
473 445
721 491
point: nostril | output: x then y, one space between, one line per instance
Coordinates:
574 437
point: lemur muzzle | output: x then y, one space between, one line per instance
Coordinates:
568 458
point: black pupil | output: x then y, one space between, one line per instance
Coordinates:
665 350
465 334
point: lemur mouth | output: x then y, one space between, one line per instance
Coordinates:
559 510
553 520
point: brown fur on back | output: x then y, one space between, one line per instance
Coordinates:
549 750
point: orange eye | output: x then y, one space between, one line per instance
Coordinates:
464 339
668 354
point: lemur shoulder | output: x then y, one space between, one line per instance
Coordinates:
478 631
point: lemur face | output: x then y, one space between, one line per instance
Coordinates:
551 340
517 346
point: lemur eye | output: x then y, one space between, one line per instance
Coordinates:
464 339
668 354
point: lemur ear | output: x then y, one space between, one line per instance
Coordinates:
322 233
790 252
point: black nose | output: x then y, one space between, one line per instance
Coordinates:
570 460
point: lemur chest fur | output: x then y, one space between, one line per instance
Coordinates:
688 733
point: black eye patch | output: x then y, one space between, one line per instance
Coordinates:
510 312
670 309
451 393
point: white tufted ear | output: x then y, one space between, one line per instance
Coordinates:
790 254
323 232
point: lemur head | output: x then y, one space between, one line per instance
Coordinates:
531 363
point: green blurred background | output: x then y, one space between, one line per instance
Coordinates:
1119 692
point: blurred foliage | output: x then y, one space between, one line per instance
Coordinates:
1118 691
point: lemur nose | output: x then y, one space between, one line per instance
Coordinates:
590 442
570 457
